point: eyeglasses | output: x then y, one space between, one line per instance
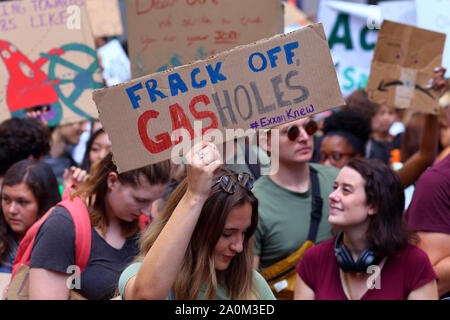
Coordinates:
310 127
334 156
228 183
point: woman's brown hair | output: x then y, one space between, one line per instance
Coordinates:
94 190
387 232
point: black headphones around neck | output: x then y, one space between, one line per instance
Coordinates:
345 260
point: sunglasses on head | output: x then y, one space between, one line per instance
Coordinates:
294 131
228 183
334 156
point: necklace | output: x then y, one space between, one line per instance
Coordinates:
347 286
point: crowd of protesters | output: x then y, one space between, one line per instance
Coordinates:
346 195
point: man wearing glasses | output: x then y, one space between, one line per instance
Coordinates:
286 197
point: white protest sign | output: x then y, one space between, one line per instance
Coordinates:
399 11
351 29
351 41
115 63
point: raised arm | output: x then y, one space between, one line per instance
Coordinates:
162 263
424 157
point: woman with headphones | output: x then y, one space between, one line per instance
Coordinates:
372 257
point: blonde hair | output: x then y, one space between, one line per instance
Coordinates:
198 261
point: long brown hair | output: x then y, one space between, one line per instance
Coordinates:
94 190
198 261
387 232
40 179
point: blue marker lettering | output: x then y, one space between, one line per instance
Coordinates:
263 60
152 92
176 83
215 74
195 84
288 50
133 97
272 56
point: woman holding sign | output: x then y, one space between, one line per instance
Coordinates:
201 247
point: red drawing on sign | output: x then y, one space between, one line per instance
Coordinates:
188 23
225 21
201 2
154 5
169 38
28 85
246 21
147 42
205 20
192 39
165 23
224 37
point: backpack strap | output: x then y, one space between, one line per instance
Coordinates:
316 205
82 222
23 255
255 168
286 265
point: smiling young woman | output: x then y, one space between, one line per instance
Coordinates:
366 206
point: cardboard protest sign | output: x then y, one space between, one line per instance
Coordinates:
48 57
403 63
351 41
165 34
257 86
434 15
5 278
105 17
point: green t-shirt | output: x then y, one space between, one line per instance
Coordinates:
260 285
284 216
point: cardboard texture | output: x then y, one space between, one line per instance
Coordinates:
258 86
47 56
403 63
19 286
104 16
4 282
165 34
